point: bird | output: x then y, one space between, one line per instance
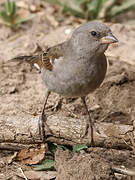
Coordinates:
76 67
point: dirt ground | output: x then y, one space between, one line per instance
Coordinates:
22 93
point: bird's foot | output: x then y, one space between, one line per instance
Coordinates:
89 131
42 125
42 120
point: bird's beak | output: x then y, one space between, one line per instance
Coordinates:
109 39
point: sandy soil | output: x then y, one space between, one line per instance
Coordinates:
22 93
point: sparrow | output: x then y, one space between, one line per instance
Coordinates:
75 67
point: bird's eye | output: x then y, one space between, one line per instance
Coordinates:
93 33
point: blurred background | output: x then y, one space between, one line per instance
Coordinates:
67 11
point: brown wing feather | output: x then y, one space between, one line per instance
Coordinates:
44 58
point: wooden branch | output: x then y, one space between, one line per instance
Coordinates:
25 131
13 146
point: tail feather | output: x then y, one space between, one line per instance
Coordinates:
27 59
32 60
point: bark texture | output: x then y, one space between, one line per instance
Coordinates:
24 131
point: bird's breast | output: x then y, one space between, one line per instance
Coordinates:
75 79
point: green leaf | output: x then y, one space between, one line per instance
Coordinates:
79 147
59 146
91 8
45 165
94 8
53 147
5 17
13 13
73 6
125 7
99 6
8 7
10 17
72 11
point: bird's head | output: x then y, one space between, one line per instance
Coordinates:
92 37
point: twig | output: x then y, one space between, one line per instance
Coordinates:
22 173
124 171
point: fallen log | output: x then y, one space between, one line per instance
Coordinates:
24 131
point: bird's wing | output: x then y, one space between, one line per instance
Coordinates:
43 58
51 55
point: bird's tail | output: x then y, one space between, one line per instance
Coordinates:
32 60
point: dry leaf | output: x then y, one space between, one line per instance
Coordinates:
32 155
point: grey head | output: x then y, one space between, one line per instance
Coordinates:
92 38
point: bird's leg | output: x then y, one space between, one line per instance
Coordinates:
43 118
89 123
